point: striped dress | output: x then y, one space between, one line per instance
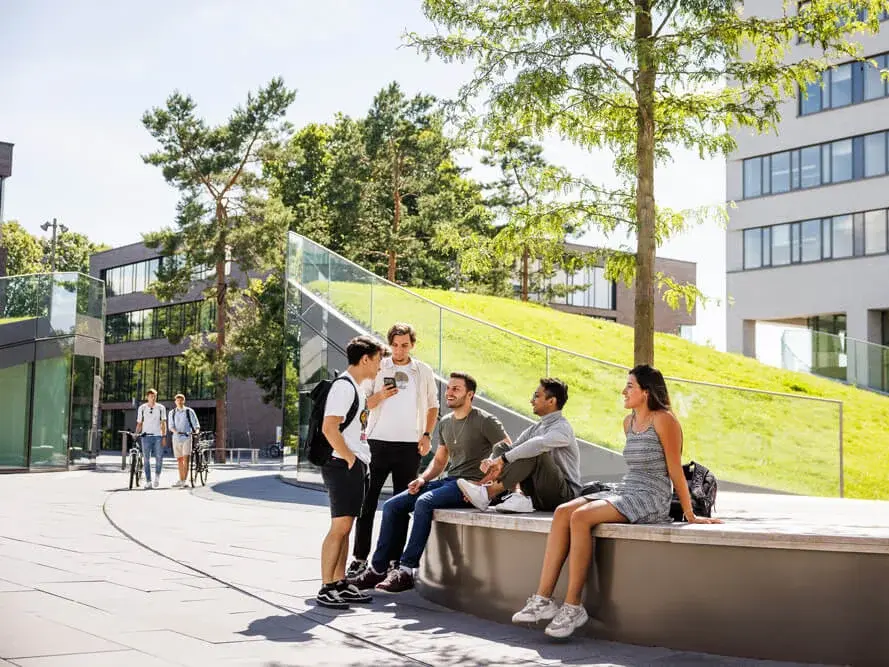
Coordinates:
644 494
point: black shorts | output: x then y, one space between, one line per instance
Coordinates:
345 487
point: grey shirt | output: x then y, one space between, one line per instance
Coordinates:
552 434
469 441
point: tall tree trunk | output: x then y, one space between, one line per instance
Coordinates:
643 344
220 380
525 258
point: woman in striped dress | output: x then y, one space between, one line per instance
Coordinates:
652 453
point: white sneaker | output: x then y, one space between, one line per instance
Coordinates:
569 618
515 503
183 484
478 495
537 608
155 483
146 485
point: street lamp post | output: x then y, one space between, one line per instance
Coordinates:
55 226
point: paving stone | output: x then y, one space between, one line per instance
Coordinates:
27 635
111 659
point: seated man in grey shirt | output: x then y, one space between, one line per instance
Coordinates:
544 461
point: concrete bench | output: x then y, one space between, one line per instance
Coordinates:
235 453
786 578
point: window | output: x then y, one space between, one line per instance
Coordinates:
780 173
753 248
842 236
766 174
810 161
794 243
841 161
766 246
875 232
825 238
841 86
875 154
811 240
874 86
780 245
752 177
810 100
858 234
825 163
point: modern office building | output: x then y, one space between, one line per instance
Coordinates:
5 172
50 370
807 245
604 299
139 354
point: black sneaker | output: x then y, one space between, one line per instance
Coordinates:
356 569
331 598
351 594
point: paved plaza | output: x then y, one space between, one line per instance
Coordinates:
95 575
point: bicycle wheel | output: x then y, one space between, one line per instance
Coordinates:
134 481
205 466
192 467
139 468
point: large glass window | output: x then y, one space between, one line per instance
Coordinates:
875 232
780 245
811 240
810 101
841 86
752 248
874 86
780 173
841 161
810 159
875 154
842 236
752 177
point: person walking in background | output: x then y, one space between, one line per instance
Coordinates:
183 425
653 455
403 412
151 423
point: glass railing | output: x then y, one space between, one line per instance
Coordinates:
848 360
764 439
65 303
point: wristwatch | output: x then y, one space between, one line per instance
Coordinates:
427 434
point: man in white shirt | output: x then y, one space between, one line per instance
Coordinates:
151 422
404 410
345 473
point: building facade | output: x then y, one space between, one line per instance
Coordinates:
604 299
5 172
139 353
808 243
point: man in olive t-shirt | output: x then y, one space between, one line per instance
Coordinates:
465 437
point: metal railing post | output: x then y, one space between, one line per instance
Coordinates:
842 476
123 450
440 341
371 327
547 362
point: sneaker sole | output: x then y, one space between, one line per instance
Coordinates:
367 601
331 605
384 590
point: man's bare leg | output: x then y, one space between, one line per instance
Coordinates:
334 548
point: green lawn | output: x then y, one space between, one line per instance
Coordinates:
785 443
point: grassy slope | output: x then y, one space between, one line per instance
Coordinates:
784 443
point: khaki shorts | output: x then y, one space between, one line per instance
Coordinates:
181 446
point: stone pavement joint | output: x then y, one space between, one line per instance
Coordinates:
225 575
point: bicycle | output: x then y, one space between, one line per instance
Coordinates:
136 460
200 462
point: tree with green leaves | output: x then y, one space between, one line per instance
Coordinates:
223 217
24 251
638 79
73 251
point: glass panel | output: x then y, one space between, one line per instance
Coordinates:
875 232
841 86
139 278
874 87
810 159
825 237
811 240
162 368
826 176
780 173
766 246
841 161
858 234
766 175
63 304
780 245
875 154
51 407
604 290
794 242
84 443
794 170
15 394
810 99
752 248
842 236
752 177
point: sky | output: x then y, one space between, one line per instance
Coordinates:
76 78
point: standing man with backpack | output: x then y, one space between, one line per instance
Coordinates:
403 412
346 468
183 424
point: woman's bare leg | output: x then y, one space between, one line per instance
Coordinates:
581 551
557 544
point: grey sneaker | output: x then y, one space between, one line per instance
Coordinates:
569 618
537 608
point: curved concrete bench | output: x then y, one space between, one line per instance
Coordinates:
786 578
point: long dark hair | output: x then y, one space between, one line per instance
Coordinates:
651 380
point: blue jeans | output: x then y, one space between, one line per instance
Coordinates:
434 495
152 443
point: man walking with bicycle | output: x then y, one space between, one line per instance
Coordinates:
151 423
184 425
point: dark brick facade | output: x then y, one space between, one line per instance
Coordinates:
251 423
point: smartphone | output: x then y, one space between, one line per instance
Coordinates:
389 382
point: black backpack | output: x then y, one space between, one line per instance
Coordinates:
318 449
701 487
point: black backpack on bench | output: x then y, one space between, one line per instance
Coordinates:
702 488
318 449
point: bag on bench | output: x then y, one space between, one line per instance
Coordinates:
702 488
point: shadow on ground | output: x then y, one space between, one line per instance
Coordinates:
269 488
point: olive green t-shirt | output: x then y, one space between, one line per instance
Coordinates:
469 441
